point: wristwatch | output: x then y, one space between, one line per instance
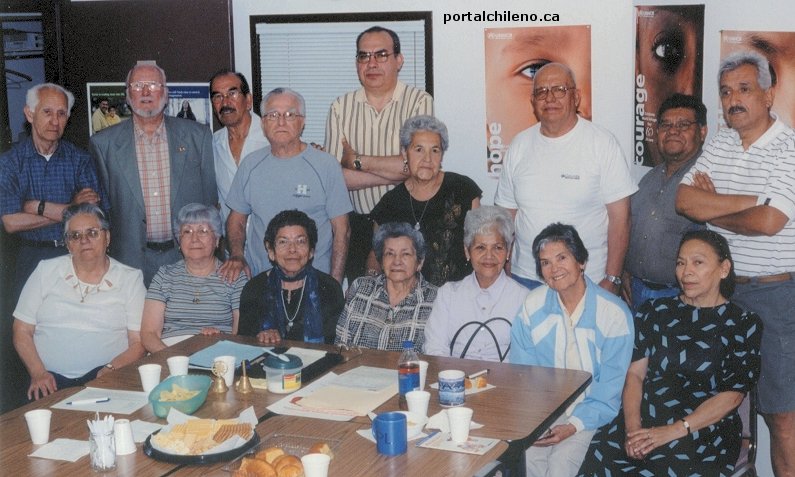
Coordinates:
110 366
40 210
613 279
357 163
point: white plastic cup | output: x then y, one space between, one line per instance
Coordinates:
423 374
39 425
229 366
418 402
178 365
150 376
123 435
460 419
315 465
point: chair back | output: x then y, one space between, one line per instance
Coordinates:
746 462
480 325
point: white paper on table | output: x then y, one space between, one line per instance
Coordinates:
442 422
369 378
308 356
142 429
62 449
335 397
470 390
368 434
286 407
121 402
176 417
473 445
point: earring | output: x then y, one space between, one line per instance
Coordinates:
405 166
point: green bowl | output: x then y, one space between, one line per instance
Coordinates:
191 382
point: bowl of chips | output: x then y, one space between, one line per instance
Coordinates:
184 393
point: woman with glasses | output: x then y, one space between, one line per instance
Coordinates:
79 315
293 300
190 297
435 202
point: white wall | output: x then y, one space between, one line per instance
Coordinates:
459 66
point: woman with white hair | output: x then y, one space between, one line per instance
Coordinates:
190 297
472 317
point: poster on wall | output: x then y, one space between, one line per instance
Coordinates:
669 53
107 104
779 49
513 55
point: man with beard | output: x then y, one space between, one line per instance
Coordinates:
241 134
151 167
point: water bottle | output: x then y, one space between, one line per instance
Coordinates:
408 372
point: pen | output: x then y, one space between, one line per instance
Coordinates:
81 402
423 441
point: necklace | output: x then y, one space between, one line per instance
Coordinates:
83 293
297 308
414 215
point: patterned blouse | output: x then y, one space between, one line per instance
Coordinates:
369 321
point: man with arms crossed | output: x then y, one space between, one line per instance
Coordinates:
743 186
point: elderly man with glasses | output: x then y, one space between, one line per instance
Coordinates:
362 132
569 170
152 166
289 174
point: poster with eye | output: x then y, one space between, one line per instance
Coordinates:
779 49
669 52
513 55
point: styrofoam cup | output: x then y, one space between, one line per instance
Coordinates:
315 465
150 376
460 419
39 425
418 402
423 374
229 366
178 365
123 435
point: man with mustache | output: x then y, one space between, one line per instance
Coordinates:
656 227
151 167
241 135
743 186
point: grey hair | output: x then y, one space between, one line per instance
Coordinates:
32 96
394 230
423 124
85 208
565 69
740 58
487 219
146 64
283 90
198 214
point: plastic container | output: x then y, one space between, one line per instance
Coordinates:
191 382
408 373
283 377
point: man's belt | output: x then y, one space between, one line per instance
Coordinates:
160 246
780 277
41 243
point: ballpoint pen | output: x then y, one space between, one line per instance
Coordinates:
81 402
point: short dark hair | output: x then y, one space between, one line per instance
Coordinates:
558 232
379 29
720 246
679 100
244 88
287 218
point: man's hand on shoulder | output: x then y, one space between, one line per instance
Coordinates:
232 268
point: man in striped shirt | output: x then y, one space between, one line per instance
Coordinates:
362 132
743 186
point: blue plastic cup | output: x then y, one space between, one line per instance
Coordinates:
389 430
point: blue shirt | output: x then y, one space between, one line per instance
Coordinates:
27 175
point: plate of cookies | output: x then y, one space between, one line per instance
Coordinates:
279 455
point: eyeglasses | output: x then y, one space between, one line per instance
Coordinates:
680 126
188 232
76 235
380 56
140 85
288 116
557 91
284 243
232 94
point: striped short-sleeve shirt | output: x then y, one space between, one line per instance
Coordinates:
372 133
766 170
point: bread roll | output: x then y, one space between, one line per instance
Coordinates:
270 454
257 467
286 460
291 471
478 383
321 448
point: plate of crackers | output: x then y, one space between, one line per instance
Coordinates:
188 440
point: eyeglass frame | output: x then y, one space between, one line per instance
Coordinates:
679 126
91 234
139 86
232 94
381 56
288 116
283 243
202 233
558 92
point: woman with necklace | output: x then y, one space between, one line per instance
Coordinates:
696 356
293 300
79 315
435 202
190 297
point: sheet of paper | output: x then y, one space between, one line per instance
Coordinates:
62 449
142 429
285 406
308 356
121 402
204 358
369 378
336 397
473 445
